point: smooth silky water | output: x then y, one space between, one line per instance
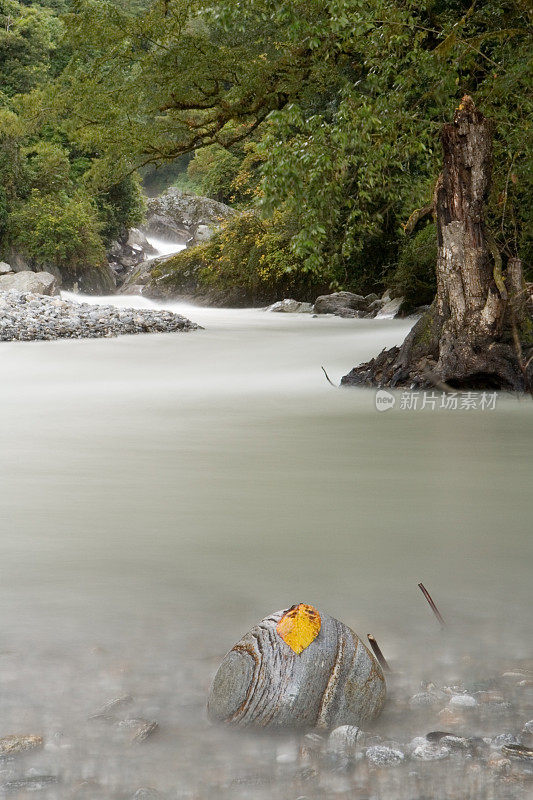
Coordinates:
162 493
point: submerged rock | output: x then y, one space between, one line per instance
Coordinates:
425 700
262 682
342 744
13 745
380 755
144 731
33 783
462 701
107 710
429 751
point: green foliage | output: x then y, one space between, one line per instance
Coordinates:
344 99
414 277
121 207
59 230
47 167
158 177
29 37
215 169
248 252
325 113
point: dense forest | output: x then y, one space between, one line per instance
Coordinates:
319 120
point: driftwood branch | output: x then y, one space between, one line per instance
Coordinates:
328 378
432 604
377 652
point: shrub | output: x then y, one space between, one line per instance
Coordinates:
214 168
47 167
121 207
58 230
247 253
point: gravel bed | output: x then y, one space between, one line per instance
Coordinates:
28 317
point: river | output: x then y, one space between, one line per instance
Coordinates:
162 493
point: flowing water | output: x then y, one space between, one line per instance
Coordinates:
165 247
162 493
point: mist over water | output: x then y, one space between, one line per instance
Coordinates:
162 493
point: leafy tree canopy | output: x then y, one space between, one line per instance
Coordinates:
347 98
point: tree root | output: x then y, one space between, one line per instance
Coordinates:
431 357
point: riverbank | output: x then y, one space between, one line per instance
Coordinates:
25 316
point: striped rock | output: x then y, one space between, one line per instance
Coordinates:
262 682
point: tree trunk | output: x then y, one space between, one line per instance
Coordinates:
477 330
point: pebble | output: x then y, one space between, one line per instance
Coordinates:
146 793
528 727
107 710
425 699
504 739
430 752
343 739
313 742
33 783
498 764
29 317
381 756
455 742
13 745
145 731
462 701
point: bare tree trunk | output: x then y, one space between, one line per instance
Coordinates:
473 333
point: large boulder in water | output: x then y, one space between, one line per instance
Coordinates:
181 217
340 303
264 682
27 281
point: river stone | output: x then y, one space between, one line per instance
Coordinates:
5 269
27 281
382 756
339 302
13 745
390 309
289 306
462 701
262 682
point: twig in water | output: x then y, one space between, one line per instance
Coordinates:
432 604
328 378
377 652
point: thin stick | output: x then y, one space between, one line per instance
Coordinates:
328 378
377 652
432 604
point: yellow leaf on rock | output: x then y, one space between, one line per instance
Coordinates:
299 626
